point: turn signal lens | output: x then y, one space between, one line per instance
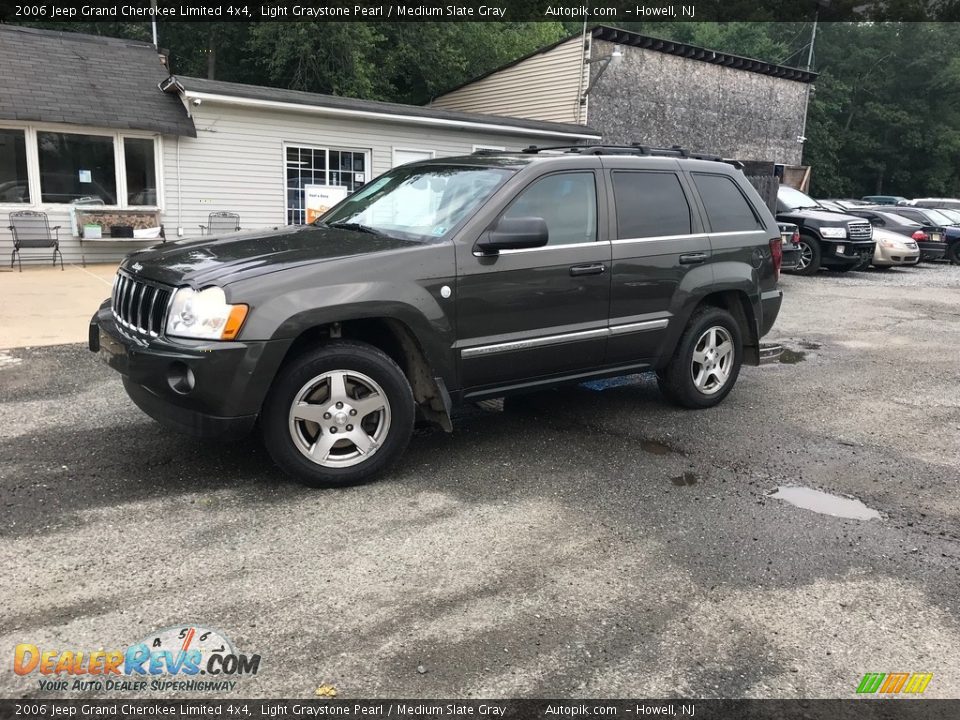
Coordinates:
234 322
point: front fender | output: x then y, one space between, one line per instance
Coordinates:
421 308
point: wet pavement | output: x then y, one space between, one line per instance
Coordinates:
586 542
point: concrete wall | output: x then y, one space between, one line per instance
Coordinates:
544 86
660 99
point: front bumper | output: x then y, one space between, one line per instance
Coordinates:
888 257
206 389
846 252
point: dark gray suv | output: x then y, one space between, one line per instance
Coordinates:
443 282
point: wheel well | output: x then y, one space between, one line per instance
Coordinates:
399 343
738 304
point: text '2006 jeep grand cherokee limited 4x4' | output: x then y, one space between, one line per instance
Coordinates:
449 281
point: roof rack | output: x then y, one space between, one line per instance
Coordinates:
632 149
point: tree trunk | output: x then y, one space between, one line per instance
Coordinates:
211 52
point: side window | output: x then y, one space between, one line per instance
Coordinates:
568 204
650 204
727 209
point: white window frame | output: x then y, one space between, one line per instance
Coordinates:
394 150
367 163
30 131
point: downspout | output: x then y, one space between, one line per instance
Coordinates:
179 194
578 107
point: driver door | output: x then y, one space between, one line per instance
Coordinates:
531 313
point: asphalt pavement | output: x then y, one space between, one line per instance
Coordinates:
584 542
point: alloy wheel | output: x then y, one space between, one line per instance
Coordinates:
713 358
339 419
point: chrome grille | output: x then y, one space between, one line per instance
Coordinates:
140 306
859 231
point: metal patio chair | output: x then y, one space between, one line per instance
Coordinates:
32 230
221 222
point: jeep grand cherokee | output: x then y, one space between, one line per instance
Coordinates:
449 281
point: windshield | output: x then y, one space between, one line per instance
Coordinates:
793 199
937 217
417 202
953 215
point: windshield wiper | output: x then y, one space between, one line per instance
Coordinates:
356 226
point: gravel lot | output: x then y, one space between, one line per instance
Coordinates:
581 542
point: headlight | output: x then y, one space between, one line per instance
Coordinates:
892 245
833 232
204 315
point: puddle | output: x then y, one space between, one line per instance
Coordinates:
825 503
655 447
792 357
688 478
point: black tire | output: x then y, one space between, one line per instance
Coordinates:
676 380
953 253
809 261
361 368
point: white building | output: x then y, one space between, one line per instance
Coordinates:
93 131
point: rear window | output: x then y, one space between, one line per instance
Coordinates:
650 204
727 208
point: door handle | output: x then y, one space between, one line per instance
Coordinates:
593 269
692 258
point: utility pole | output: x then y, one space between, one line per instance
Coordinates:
153 23
813 38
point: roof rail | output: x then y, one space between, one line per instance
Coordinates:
633 149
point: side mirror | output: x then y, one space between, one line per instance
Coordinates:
514 234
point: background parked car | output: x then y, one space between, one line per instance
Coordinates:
842 204
827 238
893 249
929 216
930 239
952 203
885 199
790 246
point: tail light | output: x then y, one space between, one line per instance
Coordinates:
796 237
776 254
919 236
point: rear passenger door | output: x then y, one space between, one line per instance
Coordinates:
658 240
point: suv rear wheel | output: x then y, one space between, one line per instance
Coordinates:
808 263
706 363
337 415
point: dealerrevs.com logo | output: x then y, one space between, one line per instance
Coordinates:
184 658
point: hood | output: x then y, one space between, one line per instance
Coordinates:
825 217
201 262
881 234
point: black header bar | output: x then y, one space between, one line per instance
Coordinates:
592 11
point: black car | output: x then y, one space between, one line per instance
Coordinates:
448 281
929 216
829 239
931 239
790 246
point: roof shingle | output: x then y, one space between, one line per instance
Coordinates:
52 76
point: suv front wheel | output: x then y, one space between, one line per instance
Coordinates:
706 363
808 262
338 415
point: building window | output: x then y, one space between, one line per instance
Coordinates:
76 168
320 166
14 187
141 171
